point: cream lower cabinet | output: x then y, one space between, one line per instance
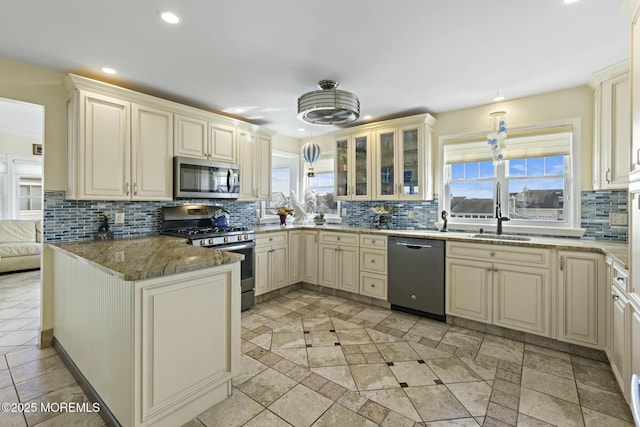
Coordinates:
501 285
581 298
373 266
310 262
338 261
634 342
296 256
157 351
620 334
272 263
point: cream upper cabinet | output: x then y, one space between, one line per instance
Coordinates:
199 138
118 150
254 157
353 167
152 153
191 136
402 166
581 298
222 142
635 97
503 285
612 127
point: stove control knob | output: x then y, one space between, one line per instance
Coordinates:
246 237
226 239
239 237
211 241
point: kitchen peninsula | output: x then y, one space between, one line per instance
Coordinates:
152 325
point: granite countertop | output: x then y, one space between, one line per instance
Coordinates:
146 257
619 251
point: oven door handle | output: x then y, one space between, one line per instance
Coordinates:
234 247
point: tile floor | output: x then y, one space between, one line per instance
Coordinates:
310 359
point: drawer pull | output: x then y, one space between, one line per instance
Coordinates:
373 261
492 253
337 238
489 268
373 286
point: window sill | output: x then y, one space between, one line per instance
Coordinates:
274 221
516 229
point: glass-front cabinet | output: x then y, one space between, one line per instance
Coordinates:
353 167
401 155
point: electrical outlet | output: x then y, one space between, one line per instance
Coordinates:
618 218
120 218
411 214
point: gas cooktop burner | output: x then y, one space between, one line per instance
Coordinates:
197 231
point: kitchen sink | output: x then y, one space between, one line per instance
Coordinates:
501 237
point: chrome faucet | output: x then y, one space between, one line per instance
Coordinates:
499 216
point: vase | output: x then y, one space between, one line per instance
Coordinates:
283 220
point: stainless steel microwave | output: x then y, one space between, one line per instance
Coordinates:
205 179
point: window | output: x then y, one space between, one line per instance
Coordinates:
322 187
30 196
534 186
284 181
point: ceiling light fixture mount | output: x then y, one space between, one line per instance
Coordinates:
498 97
328 106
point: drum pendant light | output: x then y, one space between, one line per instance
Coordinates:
328 106
311 153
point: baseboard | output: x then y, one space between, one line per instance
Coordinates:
105 413
46 338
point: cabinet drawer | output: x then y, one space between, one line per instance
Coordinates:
374 242
271 238
347 239
500 253
373 285
619 277
374 261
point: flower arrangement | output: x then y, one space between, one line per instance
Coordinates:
284 211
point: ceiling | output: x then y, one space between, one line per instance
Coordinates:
254 58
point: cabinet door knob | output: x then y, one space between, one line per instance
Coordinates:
495 268
373 261
489 268
616 297
373 286
492 253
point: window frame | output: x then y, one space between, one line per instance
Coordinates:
572 186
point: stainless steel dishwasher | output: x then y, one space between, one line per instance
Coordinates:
416 276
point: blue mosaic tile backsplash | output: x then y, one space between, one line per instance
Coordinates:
595 209
73 220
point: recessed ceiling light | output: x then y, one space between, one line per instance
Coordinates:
108 70
169 17
498 97
571 1
366 117
300 129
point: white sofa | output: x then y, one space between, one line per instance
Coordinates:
20 244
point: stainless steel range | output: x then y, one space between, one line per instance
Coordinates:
207 226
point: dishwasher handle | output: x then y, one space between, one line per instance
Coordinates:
413 246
